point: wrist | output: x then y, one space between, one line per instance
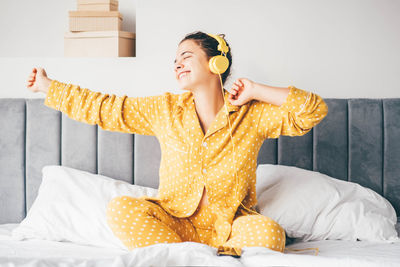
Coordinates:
258 88
46 86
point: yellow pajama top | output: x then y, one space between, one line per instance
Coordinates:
190 158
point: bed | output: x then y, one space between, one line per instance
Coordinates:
357 141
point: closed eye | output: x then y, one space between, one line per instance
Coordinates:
184 58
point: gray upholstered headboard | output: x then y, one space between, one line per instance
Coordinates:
357 141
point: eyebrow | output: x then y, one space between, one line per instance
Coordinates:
182 54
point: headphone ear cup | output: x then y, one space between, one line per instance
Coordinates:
218 64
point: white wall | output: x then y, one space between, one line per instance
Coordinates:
339 49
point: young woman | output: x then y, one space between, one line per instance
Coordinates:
209 139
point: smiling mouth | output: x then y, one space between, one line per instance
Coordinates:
183 74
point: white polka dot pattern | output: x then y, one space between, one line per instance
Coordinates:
139 115
190 158
301 111
138 222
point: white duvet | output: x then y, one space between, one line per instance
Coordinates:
331 253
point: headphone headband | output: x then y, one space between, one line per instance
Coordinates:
222 45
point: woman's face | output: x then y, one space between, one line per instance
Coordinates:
191 65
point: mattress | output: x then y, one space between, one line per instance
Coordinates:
341 253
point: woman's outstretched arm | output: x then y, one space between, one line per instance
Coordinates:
137 115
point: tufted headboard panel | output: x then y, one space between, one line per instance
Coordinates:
357 141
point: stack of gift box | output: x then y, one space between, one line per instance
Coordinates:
95 31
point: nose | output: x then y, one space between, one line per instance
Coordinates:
178 66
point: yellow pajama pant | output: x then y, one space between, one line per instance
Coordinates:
139 223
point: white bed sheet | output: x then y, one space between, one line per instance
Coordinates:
331 253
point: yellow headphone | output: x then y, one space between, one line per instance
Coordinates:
218 65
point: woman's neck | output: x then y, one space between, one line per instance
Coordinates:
208 100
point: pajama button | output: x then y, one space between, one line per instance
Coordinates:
204 144
204 170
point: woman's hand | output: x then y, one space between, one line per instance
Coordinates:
38 81
242 91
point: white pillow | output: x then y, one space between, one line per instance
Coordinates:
71 206
313 206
